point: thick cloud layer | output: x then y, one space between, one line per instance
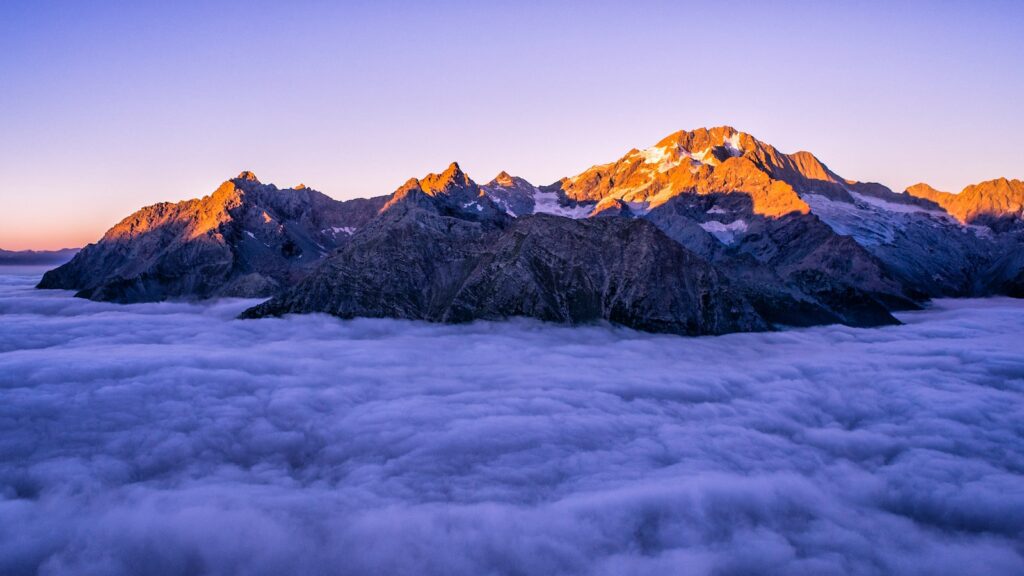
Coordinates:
172 439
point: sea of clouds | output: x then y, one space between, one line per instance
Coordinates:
173 439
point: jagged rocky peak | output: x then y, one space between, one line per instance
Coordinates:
702 161
451 191
452 183
247 176
723 160
232 190
452 178
507 180
245 239
514 195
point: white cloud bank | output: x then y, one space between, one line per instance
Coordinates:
172 439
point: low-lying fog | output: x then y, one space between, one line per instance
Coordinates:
172 439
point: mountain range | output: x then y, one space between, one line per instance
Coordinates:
36 257
708 231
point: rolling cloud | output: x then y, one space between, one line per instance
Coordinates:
173 439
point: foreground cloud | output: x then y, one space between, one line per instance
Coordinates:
172 439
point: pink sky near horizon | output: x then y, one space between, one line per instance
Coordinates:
105 108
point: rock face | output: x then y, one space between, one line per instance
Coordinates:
246 239
709 231
420 261
795 270
1005 274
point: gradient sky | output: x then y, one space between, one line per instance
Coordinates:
109 106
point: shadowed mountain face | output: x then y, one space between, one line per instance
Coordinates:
707 232
416 262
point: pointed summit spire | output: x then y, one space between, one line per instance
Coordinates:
507 180
247 176
452 172
452 178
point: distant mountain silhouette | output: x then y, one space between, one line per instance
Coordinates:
36 257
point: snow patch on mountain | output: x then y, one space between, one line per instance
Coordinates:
892 206
702 156
732 144
503 204
725 233
547 203
850 220
655 155
873 221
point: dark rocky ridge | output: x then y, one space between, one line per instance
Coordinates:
419 261
795 270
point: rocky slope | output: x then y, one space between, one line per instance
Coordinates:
433 256
708 231
246 239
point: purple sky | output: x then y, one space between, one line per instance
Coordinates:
106 107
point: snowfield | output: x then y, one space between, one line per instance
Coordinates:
172 439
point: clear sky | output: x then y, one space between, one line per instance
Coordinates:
109 106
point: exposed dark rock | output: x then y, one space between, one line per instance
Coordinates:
415 262
1005 274
794 270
